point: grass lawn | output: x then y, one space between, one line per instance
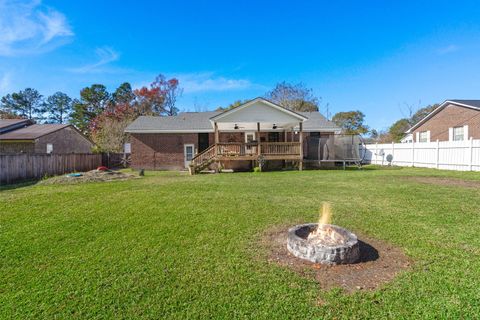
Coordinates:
177 246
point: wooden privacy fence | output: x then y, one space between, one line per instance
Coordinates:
449 155
18 167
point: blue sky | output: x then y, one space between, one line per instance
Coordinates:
375 56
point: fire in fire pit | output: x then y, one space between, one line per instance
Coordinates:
323 242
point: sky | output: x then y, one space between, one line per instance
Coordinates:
379 57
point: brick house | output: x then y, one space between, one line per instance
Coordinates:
22 136
453 120
236 139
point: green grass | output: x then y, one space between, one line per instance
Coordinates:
176 246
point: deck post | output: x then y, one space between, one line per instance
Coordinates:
259 147
300 165
215 125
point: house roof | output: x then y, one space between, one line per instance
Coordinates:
263 102
32 132
12 124
200 122
471 104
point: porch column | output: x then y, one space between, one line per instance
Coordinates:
300 165
285 139
259 151
216 137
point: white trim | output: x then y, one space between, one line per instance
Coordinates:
465 133
249 103
450 134
187 162
437 110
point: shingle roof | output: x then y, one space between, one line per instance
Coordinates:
32 132
472 103
200 122
11 124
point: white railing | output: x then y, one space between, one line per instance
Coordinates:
448 155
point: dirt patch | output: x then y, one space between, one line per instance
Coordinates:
89 176
379 263
441 181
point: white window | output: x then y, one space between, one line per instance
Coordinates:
49 148
458 134
423 136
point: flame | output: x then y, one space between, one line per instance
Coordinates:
326 214
324 234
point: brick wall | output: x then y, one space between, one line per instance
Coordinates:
451 116
160 151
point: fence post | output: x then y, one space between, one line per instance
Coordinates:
437 154
413 153
393 152
470 167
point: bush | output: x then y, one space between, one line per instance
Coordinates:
257 169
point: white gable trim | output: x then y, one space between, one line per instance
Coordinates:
268 103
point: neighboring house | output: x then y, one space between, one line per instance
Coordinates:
453 120
22 136
408 138
256 130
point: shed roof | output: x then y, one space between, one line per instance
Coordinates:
32 132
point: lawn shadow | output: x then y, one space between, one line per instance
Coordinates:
18 185
367 252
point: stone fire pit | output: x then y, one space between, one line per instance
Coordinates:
342 250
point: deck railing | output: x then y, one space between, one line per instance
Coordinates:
280 148
233 149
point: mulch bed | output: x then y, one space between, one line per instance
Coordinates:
441 181
379 263
90 176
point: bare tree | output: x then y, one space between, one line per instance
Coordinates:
296 97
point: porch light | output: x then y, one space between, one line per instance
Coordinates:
274 126
235 126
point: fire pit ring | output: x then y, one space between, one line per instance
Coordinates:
302 247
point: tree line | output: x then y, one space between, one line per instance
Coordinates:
100 115
103 116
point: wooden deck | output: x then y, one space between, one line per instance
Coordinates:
228 151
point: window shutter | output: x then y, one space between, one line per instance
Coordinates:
450 134
465 132
428 136
417 136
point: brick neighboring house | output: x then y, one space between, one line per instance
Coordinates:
243 134
22 136
453 120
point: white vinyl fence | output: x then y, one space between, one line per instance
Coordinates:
449 155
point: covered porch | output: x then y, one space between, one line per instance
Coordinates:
258 131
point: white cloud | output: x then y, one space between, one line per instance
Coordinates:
207 81
448 49
30 28
105 55
5 83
